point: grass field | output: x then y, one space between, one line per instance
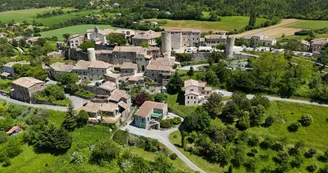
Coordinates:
30 14
176 105
227 24
78 29
302 37
309 24
286 113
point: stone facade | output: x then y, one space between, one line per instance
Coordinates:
24 87
9 67
75 41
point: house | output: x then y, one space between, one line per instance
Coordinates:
108 113
145 36
149 114
317 44
24 87
118 96
128 69
264 40
213 40
92 70
181 38
113 78
98 36
8 68
14 130
76 40
106 88
159 70
196 92
60 68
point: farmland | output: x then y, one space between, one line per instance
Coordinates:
309 24
229 23
78 29
30 14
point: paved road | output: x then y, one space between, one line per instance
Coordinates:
47 107
163 137
249 96
77 101
196 67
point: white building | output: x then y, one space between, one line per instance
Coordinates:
92 70
184 38
196 92
76 40
145 36
264 40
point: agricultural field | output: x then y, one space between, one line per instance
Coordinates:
228 23
309 24
78 29
313 136
30 14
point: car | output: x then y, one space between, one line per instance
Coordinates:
220 93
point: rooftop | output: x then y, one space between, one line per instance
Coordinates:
182 30
117 94
62 67
320 41
215 37
128 65
94 107
110 86
11 64
113 75
145 35
136 49
160 64
27 82
99 64
81 65
147 108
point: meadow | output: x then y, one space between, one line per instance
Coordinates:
285 113
309 24
228 23
78 29
30 14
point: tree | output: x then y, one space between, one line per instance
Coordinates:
141 98
220 46
198 121
211 77
306 120
256 114
145 44
214 105
117 38
105 151
87 44
3 137
162 164
312 167
82 118
294 126
259 99
244 121
70 119
191 71
55 91
175 84
269 121
66 36
67 78
160 97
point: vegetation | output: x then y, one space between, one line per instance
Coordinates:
116 38
53 94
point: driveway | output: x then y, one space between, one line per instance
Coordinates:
77 102
250 96
163 137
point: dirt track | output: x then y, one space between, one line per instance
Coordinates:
274 31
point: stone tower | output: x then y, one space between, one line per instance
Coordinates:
166 43
91 54
229 47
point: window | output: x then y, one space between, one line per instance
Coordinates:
194 102
188 102
188 97
191 90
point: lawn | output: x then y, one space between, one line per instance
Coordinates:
302 37
150 156
228 23
309 24
176 105
78 29
28 15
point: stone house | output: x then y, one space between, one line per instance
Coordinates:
24 87
8 67
92 70
60 68
184 38
317 44
145 36
159 70
196 92
149 115
264 40
106 88
128 69
76 40
213 40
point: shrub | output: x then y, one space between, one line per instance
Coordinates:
311 152
3 137
267 143
312 167
176 120
173 156
121 137
294 126
253 141
269 121
166 124
306 120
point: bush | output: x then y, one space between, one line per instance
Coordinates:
294 126
121 137
312 167
176 120
306 120
3 137
169 123
269 121
173 156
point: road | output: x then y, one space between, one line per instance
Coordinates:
194 66
40 106
163 137
249 96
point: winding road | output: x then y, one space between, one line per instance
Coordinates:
163 137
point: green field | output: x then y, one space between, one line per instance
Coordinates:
30 14
309 24
227 24
176 104
315 136
78 29
302 37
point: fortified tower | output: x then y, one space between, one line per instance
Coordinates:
229 47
